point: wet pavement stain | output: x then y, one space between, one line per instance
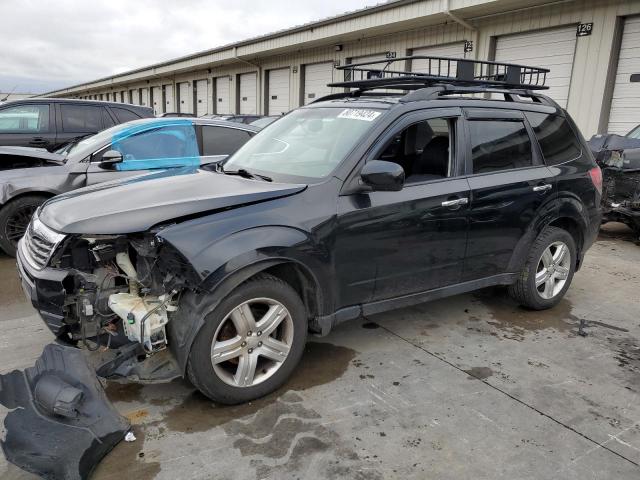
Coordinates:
321 363
370 325
515 321
479 373
128 460
124 392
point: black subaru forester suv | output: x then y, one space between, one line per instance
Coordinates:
364 201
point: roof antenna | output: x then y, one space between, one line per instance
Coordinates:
9 94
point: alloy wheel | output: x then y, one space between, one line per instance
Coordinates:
252 342
553 270
17 224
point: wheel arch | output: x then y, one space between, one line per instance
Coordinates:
196 305
567 217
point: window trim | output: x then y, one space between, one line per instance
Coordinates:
492 115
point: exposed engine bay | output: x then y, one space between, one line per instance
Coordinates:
619 159
120 294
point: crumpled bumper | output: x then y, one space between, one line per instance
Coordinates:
61 423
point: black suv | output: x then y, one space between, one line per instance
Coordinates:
53 122
362 202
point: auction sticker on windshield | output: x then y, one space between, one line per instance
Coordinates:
359 114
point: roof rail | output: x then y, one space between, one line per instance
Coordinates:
436 91
454 71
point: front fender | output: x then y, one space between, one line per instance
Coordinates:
225 264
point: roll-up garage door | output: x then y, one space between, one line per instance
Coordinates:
185 102
144 97
134 97
316 78
201 97
169 104
156 98
553 49
625 104
278 91
453 50
248 94
222 104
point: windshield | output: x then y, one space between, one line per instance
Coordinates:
635 133
305 143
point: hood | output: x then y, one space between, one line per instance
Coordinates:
40 153
137 204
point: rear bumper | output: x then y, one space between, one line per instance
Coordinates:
45 290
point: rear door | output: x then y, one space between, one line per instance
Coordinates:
28 125
510 189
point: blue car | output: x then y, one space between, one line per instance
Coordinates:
29 176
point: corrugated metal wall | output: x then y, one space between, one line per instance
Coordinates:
589 92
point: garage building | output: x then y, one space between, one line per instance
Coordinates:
591 46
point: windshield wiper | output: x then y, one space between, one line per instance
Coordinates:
242 172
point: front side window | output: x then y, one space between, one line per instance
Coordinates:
555 137
161 147
423 150
310 142
25 119
222 140
498 145
81 118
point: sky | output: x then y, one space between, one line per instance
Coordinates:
52 44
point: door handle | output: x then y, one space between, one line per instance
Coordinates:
542 188
37 141
455 203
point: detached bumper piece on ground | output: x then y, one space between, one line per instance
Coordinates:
61 423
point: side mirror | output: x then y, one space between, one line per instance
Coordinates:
110 158
383 176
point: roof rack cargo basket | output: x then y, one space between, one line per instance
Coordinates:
392 74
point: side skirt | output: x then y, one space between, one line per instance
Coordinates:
325 323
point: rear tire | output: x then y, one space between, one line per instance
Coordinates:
14 219
548 271
250 343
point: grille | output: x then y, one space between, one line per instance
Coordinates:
39 243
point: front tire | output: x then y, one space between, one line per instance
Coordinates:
14 219
548 271
250 343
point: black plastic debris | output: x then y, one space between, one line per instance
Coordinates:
61 423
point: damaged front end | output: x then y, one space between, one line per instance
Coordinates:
112 296
619 159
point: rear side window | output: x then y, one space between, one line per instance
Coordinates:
25 119
557 140
222 140
81 118
124 115
498 145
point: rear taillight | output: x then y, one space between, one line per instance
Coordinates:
596 177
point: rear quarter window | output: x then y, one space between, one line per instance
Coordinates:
123 115
555 136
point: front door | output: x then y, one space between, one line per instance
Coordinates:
510 188
28 125
413 240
